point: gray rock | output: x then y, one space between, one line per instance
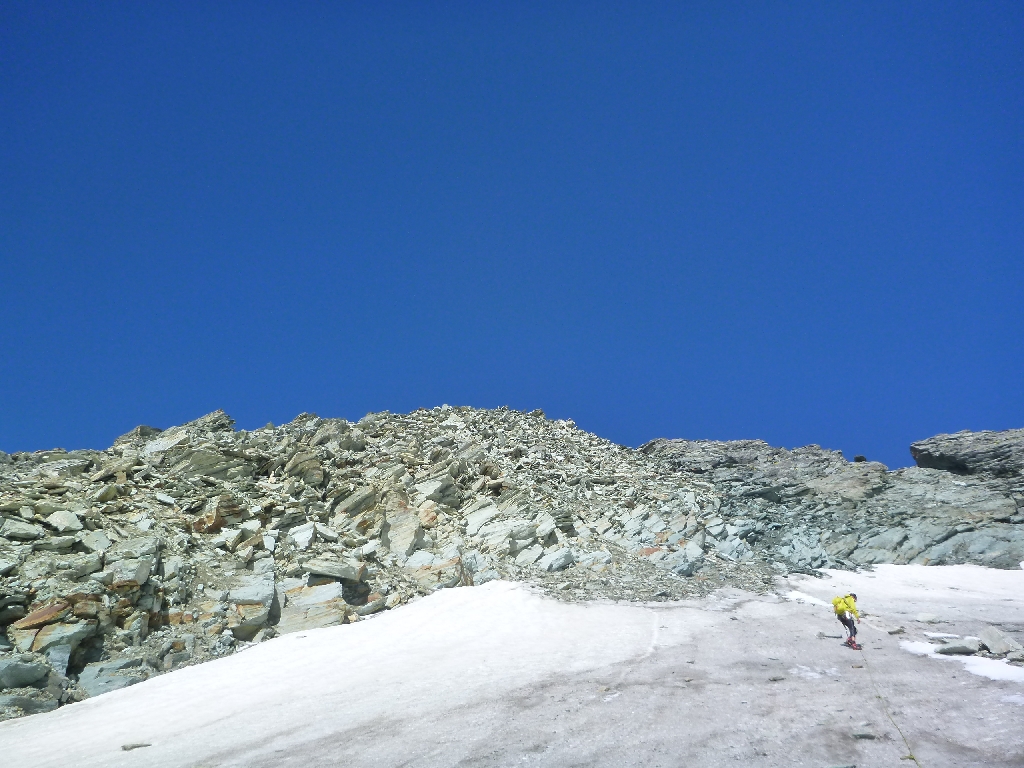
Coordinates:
346 570
998 642
420 559
30 705
358 501
305 465
253 590
480 514
64 520
20 531
354 440
15 673
210 463
963 647
1000 454
135 570
108 492
402 532
302 536
54 544
558 560
95 541
442 490
105 676
137 547
313 607
485 576
83 565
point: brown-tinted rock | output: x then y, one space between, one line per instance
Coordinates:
48 614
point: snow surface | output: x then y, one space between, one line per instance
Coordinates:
499 675
993 669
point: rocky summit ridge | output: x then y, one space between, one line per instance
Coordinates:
180 545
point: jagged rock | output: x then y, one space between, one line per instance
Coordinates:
302 536
106 493
402 532
306 466
203 462
998 642
359 501
313 607
64 520
138 436
1000 454
47 614
54 635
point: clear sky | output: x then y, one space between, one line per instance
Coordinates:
801 222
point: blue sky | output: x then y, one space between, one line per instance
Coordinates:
797 222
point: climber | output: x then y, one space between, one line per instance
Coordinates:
846 610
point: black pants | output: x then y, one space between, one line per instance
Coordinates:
847 621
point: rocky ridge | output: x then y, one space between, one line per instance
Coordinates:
176 546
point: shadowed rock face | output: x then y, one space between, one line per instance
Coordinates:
999 454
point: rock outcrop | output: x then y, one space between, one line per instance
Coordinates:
997 454
180 545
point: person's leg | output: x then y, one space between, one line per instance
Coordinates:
849 626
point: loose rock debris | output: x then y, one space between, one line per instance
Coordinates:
177 546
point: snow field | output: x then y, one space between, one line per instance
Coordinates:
499 675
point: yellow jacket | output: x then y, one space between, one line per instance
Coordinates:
845 604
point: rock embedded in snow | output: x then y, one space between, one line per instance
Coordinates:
102 677
962 647
998 642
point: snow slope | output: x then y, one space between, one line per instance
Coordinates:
499 675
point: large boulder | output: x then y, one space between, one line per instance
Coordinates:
15 673
1000 454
